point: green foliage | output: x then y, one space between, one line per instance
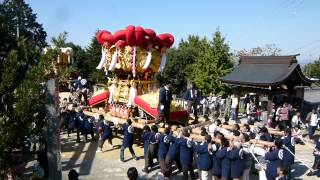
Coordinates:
200 61
179 62
91 60
61 40
22 107
214 63
313 70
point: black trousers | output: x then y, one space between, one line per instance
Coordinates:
92 135
186 169
122 152
168 163
163 168
151 154
101 141
193 104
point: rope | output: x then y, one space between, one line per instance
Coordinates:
297 158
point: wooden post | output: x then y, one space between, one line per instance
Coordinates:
270 103
53 128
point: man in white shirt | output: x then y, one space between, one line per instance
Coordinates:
295 120
312 118
234 106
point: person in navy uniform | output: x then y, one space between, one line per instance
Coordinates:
153 141
264 135
236 160
186 155
216 162
288 142
71 122
222 154
127 140
105 133
145 138
316 153
274 158
204 152
88 128
173 154
165 98
164 143
193 97
247 157
79 122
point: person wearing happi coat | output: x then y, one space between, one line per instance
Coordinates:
164 143
127 140
274 158
288 159
216 162
222 154
153 141
236 160
204 152
105 133
186 155
145 138
173 155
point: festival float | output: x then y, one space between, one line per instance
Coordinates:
133 56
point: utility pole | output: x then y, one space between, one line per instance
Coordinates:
53 129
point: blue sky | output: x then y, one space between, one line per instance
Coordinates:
293 25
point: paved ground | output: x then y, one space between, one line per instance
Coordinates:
106 165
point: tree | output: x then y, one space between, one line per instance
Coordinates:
312 70
179 62
91 60
267 50
213 63
21 73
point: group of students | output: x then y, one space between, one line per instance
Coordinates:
221 154
75 119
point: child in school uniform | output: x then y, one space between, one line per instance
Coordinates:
236 161
145 138
222 154
153 147
186 155
105 133
173 155
204 158
164 143
275 160
289 147
127 140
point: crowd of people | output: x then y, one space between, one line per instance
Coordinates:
220 154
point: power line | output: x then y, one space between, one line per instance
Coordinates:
304 46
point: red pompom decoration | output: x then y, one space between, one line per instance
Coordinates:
130 36
107 37
121 44
150 36
139 33
99 36
166 40
119 35
157 43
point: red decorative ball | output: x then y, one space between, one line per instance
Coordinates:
130 36
140 36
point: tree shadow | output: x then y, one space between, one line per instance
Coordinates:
299 170
70 145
